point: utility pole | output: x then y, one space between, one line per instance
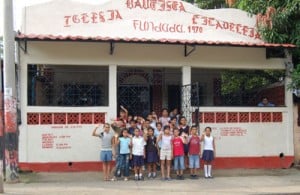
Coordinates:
10 102
2 158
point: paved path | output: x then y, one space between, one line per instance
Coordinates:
225 182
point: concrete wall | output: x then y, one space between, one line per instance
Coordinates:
296 134
262 139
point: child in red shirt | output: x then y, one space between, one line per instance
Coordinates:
194 152
178 153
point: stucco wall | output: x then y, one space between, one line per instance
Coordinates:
260 139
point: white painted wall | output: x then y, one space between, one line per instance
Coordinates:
262 139
78 53
296 135
64 18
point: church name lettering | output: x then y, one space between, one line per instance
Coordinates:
157 27
156 5
92 17
197 23
224 25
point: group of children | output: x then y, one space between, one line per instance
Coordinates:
166 141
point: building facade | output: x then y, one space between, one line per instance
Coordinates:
80 62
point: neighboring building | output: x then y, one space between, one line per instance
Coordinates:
79 62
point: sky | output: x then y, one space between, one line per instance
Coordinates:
18 6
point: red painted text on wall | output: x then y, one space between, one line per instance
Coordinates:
51 141
92 17
223 25
157 27
156 5
48 140
233 131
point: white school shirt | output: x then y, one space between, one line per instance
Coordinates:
138 144
208 143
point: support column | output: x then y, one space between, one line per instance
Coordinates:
186 75
2 158
10 103
186 107
289 104
113 87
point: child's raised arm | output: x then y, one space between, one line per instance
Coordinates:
94 131
145 134
145 137
117 140
124 109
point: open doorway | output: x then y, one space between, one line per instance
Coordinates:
174 97
142 90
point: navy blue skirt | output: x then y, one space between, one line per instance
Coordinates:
152 157
208 155
138 161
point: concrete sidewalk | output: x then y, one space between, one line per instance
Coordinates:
237 181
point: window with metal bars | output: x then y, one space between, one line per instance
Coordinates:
67 85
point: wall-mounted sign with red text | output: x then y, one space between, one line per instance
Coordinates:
140 20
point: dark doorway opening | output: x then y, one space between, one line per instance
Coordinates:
174 97
143 89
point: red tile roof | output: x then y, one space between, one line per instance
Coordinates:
144 40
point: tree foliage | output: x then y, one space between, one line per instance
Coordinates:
295 78
242 81
278 22
209 4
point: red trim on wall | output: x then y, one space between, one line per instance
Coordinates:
65 118
239 117
221 117
270 162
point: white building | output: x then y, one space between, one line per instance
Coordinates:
79 62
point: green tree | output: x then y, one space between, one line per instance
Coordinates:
209 4
278 22
235 81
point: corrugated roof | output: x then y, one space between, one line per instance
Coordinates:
145 40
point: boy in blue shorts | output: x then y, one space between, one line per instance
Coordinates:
106 154
194 152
